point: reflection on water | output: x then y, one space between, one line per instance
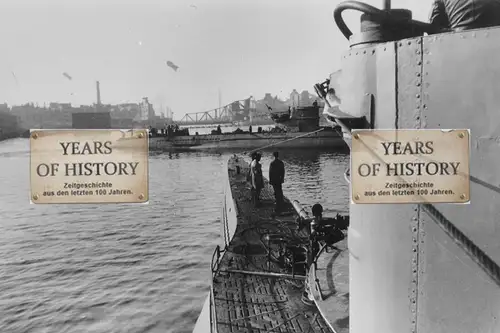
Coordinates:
129 268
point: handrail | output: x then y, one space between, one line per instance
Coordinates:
210 307
224 223
214 265
213 313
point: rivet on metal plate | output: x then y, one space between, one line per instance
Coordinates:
34 135
35 197
463 196
356 197
461 135
141 196
356 136
141 135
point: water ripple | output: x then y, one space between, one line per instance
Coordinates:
128 268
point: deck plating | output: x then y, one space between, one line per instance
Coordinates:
252 293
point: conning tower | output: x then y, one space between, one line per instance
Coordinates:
433 267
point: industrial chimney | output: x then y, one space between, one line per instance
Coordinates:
98 93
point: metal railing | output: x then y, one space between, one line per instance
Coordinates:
213 313
225 225
214 264
214 267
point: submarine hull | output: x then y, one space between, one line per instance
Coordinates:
247 272
326 139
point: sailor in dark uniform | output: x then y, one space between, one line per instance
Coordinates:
465 14
276 179
328 230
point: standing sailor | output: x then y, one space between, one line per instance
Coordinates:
257 179
249 176
276 179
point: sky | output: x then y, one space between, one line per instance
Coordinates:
238 47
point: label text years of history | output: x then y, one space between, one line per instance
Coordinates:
409 168
88 168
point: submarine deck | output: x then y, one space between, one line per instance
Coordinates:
246 298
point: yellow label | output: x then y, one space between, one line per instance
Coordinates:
89 166
410 166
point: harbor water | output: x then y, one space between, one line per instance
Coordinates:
129 268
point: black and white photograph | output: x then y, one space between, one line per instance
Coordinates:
253 166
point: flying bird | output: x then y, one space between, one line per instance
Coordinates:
172 65
66 75
194 6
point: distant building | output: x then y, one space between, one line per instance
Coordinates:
8 123
59 106
146 111
294 98
122 123
271 101
168 115
305 99
91 120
